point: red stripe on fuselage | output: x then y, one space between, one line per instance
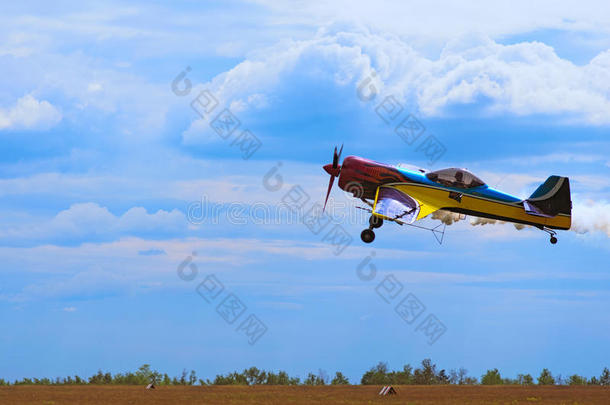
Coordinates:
363 174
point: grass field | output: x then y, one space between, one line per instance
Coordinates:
475 395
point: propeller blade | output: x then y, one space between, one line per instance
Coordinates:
340 151
335 159
330 186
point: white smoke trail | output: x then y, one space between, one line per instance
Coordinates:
486 221
447 217
590 216
474 221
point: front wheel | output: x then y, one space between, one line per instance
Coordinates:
367 236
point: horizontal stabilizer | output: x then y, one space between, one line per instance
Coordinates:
533 210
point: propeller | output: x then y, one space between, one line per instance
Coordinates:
334 170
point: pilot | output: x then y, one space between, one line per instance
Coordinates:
459 179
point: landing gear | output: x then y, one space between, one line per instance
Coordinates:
375 222
552 233
367 236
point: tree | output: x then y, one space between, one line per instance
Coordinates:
143 376
604 379
310 380
525 379
233 378
166 380
427 374
403 377
492 377
269 378
458 377
377 375
183 377
320 379
192 378
559 380
442 377
252 375
97 378
283 378
546 378
339 379
577 380
470 381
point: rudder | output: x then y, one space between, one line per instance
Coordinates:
551 198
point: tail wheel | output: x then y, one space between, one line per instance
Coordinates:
367 236
553 240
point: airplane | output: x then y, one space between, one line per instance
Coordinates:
397 194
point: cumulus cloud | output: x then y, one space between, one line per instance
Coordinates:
29 113
441 19
90 221
520 79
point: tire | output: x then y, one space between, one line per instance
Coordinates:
553 240
367 236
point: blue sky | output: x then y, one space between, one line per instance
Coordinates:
101 163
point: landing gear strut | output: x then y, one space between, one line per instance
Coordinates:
552 233
375 222
368 235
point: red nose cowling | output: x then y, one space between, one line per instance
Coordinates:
333 171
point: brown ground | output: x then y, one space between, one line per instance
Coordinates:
475 395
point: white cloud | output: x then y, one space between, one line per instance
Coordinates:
86 221
521 79
29 113
442 19
199 132
117 267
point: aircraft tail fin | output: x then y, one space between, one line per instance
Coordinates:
551 198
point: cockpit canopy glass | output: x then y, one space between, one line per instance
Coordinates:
453 177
